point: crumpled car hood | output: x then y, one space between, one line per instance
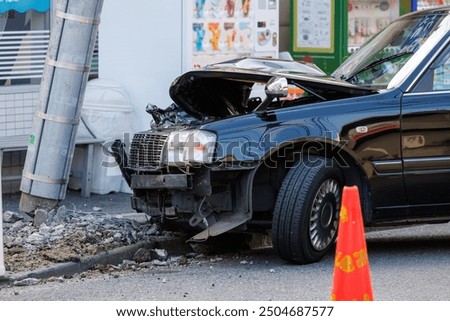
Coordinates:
224 89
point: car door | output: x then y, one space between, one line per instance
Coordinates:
426 139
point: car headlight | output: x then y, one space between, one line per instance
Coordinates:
190 146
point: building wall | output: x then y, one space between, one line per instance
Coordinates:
17 103
16 118
146 62
26 36
16 110
141 50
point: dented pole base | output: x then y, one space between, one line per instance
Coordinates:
29 203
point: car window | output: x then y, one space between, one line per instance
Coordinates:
380 72
437 78
441 76
381 58
441 80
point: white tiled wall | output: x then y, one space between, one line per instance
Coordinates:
17 105
16 110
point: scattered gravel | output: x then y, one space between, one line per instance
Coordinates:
72 233
64 235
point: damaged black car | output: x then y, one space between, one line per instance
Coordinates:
263 145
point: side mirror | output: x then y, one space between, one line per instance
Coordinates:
277 87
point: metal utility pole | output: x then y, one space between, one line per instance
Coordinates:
52 139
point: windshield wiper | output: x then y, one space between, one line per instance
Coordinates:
376 63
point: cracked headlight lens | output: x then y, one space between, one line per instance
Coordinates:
190 147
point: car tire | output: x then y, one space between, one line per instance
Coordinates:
306 212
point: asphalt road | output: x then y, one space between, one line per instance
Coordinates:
406 265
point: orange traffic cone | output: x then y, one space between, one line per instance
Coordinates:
351 276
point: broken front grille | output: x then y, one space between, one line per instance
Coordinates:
147 150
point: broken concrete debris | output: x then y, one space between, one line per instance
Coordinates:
68 235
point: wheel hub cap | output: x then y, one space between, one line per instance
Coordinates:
324 214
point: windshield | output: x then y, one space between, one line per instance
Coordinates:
382 57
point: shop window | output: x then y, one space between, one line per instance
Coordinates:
427 4
24 39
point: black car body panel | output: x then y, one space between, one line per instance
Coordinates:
252 144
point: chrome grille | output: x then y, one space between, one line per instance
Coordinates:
147 149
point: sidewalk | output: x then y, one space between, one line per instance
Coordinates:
81 234
114 203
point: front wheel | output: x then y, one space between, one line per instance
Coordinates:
306 212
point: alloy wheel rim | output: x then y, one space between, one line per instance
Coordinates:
324 216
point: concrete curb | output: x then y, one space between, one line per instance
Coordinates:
174 246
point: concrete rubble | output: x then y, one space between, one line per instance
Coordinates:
81 239
66 235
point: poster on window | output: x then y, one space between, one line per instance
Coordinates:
221 30
315 20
